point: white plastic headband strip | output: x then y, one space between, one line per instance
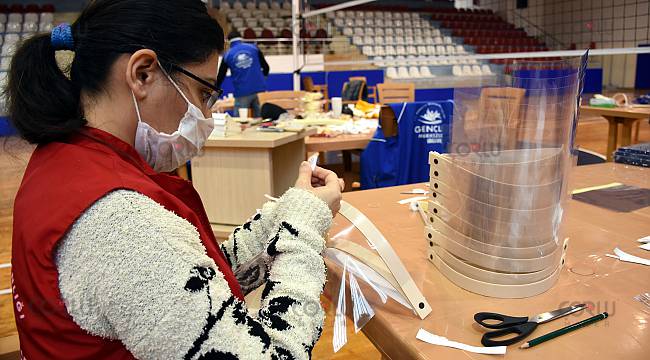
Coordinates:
5 292
5 265
623 256
430 338
538 54
393 262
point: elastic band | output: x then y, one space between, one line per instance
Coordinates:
61 37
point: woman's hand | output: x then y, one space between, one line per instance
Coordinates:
325 184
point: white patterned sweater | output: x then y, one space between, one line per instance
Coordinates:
131 270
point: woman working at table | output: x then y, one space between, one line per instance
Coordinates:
113 258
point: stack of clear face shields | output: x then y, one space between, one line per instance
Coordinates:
493 219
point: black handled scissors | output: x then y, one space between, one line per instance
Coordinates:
522 326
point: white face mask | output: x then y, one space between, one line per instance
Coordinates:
167 152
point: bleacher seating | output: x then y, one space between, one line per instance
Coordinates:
270 20
18 22
394 39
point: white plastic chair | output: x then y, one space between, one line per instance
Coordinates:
390 50
357 40
431 50
411 50
286 5
369 22
400 40
369 31
360 14
348 31
460 49
403 72
476 70
379 31
379 51
378 61
30 27
358 31
31 18
264 6
340 14
422 50
467 70
391 72
368 40
339 22
425 72
237 5
414 72
13 27
400 50
3 18
15 18
389 31
389 40
485 70
359 22
456 70
441 50
275 5
447 40
451 49
437 40
367 51
408 40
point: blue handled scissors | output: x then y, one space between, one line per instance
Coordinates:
521 326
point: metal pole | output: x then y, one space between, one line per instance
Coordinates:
295 13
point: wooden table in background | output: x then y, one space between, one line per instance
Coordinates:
588 276
344 143
624 116
233 173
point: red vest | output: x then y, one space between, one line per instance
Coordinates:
62 180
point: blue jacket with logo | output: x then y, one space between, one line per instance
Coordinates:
247 69
404 159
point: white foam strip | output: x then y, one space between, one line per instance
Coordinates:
522 55
623 256
430 338
5 292
645 239
645 246
411 199
5 265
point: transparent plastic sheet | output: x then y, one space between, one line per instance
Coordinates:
360 278
494 215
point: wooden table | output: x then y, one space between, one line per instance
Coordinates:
589 276
233 173
625 116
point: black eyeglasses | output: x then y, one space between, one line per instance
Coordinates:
216 91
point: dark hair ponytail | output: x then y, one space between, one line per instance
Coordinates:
44 104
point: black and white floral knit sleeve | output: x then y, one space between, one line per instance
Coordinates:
130 270
244 249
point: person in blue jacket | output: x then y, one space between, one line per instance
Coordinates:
248 70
